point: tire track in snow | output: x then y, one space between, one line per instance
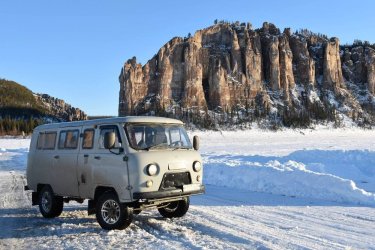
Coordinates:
166 230
251 231
192 233
178 230
292 227
318 219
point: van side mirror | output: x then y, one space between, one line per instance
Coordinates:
196 142
109 140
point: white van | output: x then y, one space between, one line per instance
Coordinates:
121 165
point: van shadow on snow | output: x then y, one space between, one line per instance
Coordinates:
28 222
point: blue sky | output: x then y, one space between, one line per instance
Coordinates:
74 49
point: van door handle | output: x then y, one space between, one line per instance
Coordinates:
97 157
85 156
56 157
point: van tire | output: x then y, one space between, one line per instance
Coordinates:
50 205
175 209
111 214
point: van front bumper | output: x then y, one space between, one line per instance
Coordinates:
188 190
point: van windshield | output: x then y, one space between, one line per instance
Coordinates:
157 136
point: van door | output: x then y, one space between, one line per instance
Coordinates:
43 160
86 166
65 165
110 169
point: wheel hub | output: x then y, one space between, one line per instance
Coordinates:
110 211
46 201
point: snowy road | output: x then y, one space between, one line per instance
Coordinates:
321 166
222 219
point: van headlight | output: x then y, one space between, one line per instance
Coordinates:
197 166
151 169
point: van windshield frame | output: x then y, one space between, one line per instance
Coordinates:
147 136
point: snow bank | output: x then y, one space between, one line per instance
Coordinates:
13 154
335 165
291 178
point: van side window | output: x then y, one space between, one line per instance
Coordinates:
50 140
68 139
106 129
46 140
88 139
62 139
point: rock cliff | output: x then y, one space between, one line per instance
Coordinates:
59 109
21 110
231 66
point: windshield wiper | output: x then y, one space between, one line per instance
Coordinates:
180 147
155 146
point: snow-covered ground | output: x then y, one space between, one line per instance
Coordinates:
334 165
266 190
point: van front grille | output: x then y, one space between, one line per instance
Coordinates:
175 180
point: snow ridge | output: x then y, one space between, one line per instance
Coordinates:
290 178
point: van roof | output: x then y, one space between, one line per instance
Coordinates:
126 119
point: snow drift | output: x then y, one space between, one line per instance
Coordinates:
328 164
290 178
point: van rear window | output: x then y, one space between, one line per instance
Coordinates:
40 143
68 139
46 140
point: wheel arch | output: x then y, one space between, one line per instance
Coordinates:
99 190
40 186
56 203
35 193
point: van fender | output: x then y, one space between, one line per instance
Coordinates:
99 190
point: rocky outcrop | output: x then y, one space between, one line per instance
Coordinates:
227 66
59 109
132 78
332 75
354 64
370 68
286 63
304 64
252 60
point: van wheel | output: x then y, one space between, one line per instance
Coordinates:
111 214
50 206
175 208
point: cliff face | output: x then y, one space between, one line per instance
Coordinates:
59 109
227 66
21 110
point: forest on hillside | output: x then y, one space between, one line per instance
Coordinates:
20 112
